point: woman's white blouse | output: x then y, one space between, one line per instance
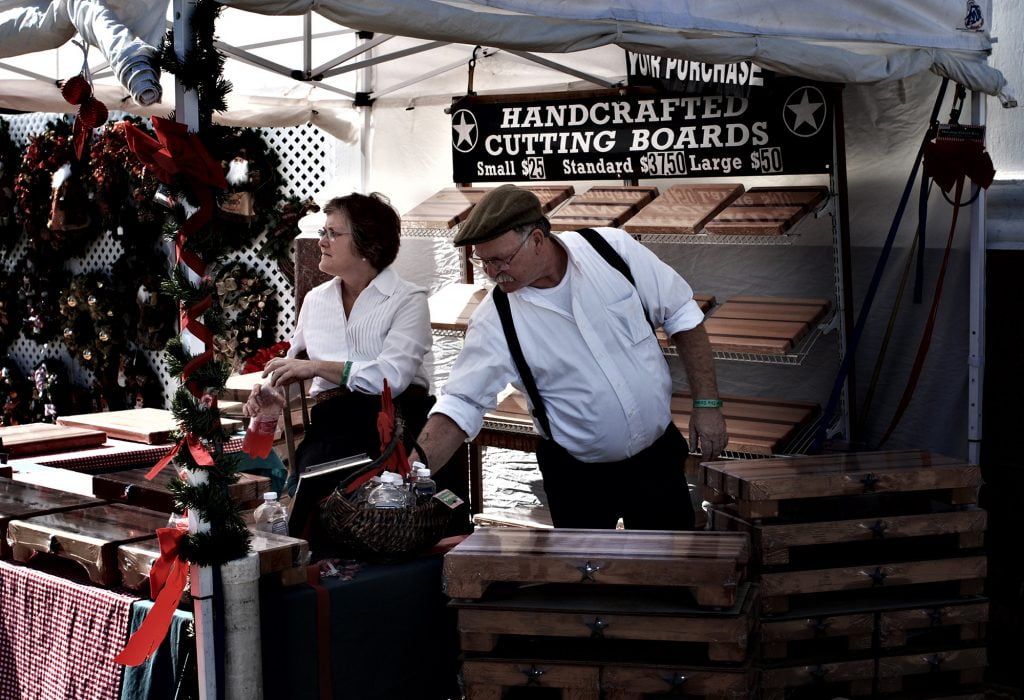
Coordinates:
387 335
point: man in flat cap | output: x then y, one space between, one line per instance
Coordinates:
571 324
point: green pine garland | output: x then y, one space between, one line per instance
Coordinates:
193 405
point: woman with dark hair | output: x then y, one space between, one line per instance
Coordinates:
360 328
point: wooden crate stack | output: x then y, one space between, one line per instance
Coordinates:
113 544
870 568
614 614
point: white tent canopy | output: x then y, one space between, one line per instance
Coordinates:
860 42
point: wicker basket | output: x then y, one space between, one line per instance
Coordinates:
382 534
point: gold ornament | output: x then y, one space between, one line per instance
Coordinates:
69 334
104 336
72 302
87 354
92 300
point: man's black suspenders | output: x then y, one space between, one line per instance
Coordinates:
606 251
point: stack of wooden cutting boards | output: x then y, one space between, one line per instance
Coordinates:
723 210
444 210
870 568
614 614
113 544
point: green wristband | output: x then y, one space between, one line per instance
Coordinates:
345 372
707 403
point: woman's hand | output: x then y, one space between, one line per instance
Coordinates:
253 403
288 370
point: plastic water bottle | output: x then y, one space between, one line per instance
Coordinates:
259 437
271 515
390 493
424 487
364 491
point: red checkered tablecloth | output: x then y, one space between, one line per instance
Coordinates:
114 454
58 638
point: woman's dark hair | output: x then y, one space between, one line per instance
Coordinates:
376 226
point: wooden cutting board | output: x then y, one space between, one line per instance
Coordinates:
683 209
40 438
148 425
132 487
452 305
20 500
617 194
711 563
551 196
574 216
88 536
276 553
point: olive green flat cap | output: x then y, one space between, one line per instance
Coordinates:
500 210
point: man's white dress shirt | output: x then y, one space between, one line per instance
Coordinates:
600 371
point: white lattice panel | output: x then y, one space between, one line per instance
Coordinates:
307 163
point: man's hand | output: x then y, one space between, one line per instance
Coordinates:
439 439
708 425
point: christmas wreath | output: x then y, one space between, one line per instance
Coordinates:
51 391
12 311
282 228
15 394
37 296
123 188
245 318
138 276
94 323
54 203
10 229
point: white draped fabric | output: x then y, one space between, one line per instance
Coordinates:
125 31
862 42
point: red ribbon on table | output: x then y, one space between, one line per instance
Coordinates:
167 578
199 452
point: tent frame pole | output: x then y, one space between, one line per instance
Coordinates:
186 111
843 250
976 342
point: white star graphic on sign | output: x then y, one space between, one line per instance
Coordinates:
464 129
804 112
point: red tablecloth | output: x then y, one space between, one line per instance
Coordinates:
58 638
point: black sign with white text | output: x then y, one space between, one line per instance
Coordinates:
643 135
667 74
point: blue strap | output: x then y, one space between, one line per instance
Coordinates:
876 279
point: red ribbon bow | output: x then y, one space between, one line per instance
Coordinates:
398 460
200 454
91 112
167 578
259 359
